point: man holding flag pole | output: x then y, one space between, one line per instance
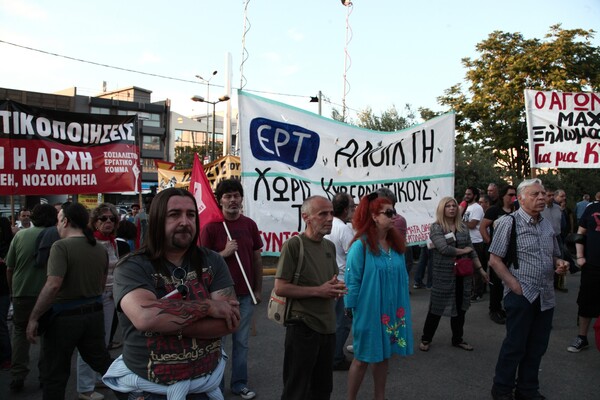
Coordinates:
237 239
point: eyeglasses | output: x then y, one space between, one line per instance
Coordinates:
104 218
390 212
180 274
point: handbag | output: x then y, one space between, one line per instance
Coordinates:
463 267
279 307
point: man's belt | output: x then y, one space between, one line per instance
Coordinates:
83 309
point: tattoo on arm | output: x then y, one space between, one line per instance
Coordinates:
186 312
226 292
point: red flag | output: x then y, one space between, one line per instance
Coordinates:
208 210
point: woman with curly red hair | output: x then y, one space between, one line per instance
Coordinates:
377 296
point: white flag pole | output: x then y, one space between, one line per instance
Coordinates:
237 257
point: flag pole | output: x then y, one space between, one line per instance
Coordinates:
237 257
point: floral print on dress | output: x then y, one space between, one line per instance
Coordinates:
394 330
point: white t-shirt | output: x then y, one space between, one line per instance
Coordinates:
341 235
474 211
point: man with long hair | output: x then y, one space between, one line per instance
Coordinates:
175 301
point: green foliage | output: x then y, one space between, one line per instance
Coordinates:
184 155
474 167
389 121
491 111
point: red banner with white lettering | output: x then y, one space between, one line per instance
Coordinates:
45 151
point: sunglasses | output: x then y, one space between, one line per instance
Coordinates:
180 274
104 218
390 212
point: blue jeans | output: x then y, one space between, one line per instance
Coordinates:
239 346
527 335
343 325
5 349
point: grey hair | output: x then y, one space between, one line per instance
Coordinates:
526 183
307 205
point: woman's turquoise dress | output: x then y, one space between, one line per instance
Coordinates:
379 298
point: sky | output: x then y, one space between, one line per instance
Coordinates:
400 52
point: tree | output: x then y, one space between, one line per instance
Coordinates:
474 167
389 121
184 155
492 110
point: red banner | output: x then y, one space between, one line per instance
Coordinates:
46 151
208 210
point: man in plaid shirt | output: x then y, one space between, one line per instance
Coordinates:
528 293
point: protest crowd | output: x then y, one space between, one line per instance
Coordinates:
148 302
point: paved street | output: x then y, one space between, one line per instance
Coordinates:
444 372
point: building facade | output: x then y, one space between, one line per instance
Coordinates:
153 127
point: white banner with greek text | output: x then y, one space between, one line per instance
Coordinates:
563 129
289 154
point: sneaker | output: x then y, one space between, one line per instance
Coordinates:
246 394
475 298
91 396
418 286
578 345
503 396
497 317
350 348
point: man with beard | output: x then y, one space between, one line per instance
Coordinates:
246 242
175 301
493 193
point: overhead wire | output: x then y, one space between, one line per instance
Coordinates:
104 65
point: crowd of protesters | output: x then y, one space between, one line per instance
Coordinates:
75 276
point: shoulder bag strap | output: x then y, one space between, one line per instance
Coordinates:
511 252
300 262
288 303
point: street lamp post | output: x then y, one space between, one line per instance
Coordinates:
207 81
201 99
